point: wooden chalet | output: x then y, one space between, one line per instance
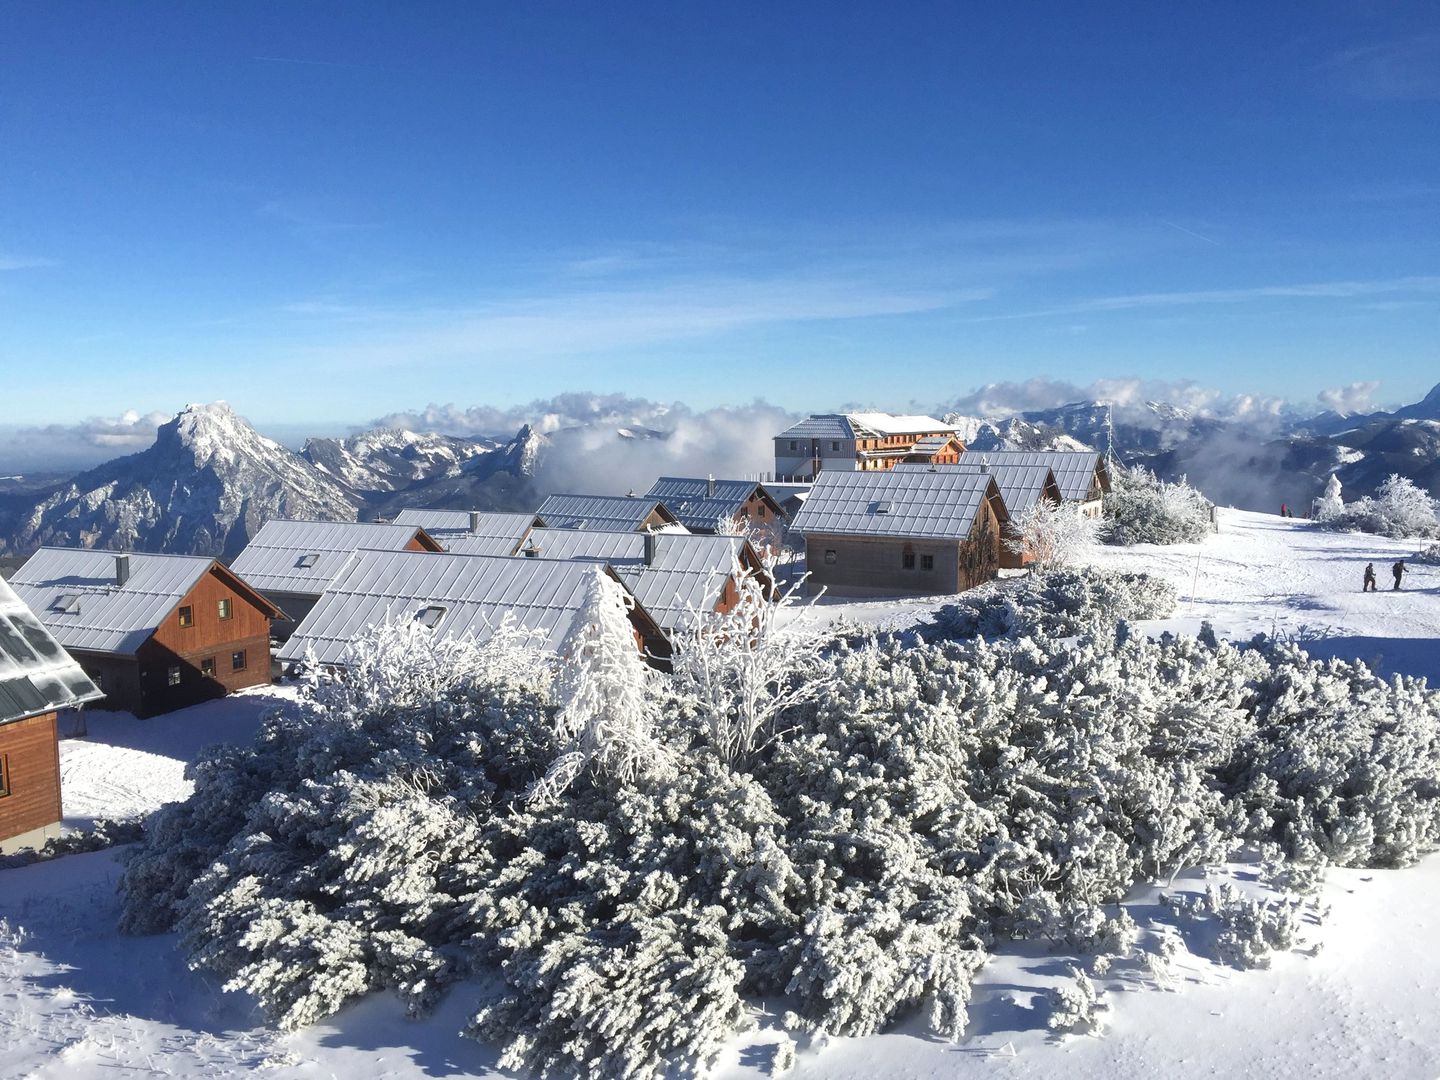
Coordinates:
1082 475
154 632
706 505
860 442
902 531
455 595
38 679
1021 486
607 513
291 562
672 575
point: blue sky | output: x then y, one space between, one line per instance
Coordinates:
329 212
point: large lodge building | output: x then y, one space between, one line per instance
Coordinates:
862 442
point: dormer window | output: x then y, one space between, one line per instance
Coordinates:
67 603
429 617
307 561
882 507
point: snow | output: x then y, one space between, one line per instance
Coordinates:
80 1001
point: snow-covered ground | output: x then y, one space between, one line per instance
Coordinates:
78 1000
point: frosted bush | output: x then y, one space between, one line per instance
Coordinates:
1057 603
1331 503
1251 929
1429 555
1076 1007
1399 509
856 859
1053 534
1142 509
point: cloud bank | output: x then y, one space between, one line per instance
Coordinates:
77 446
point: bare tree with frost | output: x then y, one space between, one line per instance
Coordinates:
1053 535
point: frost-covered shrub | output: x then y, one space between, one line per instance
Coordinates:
1429 555
1057 603
924 800
1076 1007
1143 509
1399 509
1053 534
1331 502
1251 929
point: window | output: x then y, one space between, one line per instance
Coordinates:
835 446
907 560
187 616
172 676
794 445
830 556
430 617
237 661
927 562
69 603
207 667
4 775
225 608
307 561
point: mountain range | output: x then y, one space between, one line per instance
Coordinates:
210 480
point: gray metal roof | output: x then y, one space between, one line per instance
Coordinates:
476 591
699 502
1074 469
606 512
37 675
470 544
822 426
301 557
931 443
687 572
74 593
445 524
919 504
1021 486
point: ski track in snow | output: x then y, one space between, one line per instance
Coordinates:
77 1000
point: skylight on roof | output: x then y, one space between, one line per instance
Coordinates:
429 617
883 507
69 603
307 561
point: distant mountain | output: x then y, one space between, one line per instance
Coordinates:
206 485
500 479
387 459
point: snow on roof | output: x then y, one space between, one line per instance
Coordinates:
301 557
444 524
74 592
1020 485
699 502
687 573
37 675
474 591
1075 470
605 512
895 503
888 424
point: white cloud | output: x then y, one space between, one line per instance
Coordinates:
77 446
1358 397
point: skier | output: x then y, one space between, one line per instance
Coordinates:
1370 585
1399 571
1284 510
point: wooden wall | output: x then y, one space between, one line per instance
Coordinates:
32 762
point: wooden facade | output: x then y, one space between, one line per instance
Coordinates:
198 652
860 566
29 782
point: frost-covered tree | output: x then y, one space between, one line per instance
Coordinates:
1331 502
1399 509
742 671
1053 534
606 690
1143 509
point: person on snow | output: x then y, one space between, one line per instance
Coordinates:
1370 585
1284 510
1399 571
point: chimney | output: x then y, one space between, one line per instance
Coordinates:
984 464
122 570
650 541
710 486
531 550
474 522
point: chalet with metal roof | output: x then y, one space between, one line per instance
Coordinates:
454 595
862 442
291 562
38 679
606 513
902 531
701 504
1021 486
1081 474
472 532
154 632
673 575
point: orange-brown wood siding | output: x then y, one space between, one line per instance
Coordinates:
32 762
